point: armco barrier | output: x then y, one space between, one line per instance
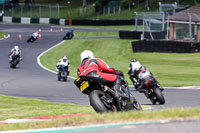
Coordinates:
96 22
16 20
104 22
165 46
35 21
124 34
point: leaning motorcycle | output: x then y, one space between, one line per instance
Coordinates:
32 39
102 97
68 36
151 87
63 72
15 60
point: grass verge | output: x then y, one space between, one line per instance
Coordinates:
2 34
12 107
170 69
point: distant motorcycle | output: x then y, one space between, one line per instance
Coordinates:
63 72
69 35
102 97
150 87
33 37
15 60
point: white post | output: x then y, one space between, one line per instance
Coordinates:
58 11
49 11
40 10
190 27
31 8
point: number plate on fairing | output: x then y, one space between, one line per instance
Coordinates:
84 86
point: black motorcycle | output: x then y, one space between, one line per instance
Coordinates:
150 87
68 36
102 97
63 72
32 39
15 60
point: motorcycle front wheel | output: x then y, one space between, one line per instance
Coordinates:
136 105
159 96
13 64
96 101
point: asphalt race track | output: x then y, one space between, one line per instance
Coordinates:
29 80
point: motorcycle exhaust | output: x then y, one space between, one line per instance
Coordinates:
114 94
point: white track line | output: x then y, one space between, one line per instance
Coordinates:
39 63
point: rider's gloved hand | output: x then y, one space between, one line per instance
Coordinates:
120 73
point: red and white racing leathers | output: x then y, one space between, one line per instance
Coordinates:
98 67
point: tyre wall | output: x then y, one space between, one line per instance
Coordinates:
127 34
165 46
95 22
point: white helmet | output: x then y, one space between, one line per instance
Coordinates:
16 47
86 54
35 34
64 57
136 66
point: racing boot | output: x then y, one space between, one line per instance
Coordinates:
117 88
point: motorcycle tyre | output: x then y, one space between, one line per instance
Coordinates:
64 79
65 76
14 64
153 101
96 102
31 39
159 96
59 77
136 105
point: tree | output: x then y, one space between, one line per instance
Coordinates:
195 1
84 3
146 5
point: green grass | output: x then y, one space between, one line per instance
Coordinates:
170 69
95 34
2 34
12 107
18 108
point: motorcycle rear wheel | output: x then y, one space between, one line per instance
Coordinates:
97 103
13 64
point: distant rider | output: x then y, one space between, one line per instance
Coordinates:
63 61
15 51
35 35
134 65
70 34
98 68
139 75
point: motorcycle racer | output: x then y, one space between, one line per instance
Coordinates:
139 75
63 61
98 68
134 65
15 51
35 35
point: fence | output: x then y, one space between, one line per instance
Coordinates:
152 22
54 10
170 9
31 10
